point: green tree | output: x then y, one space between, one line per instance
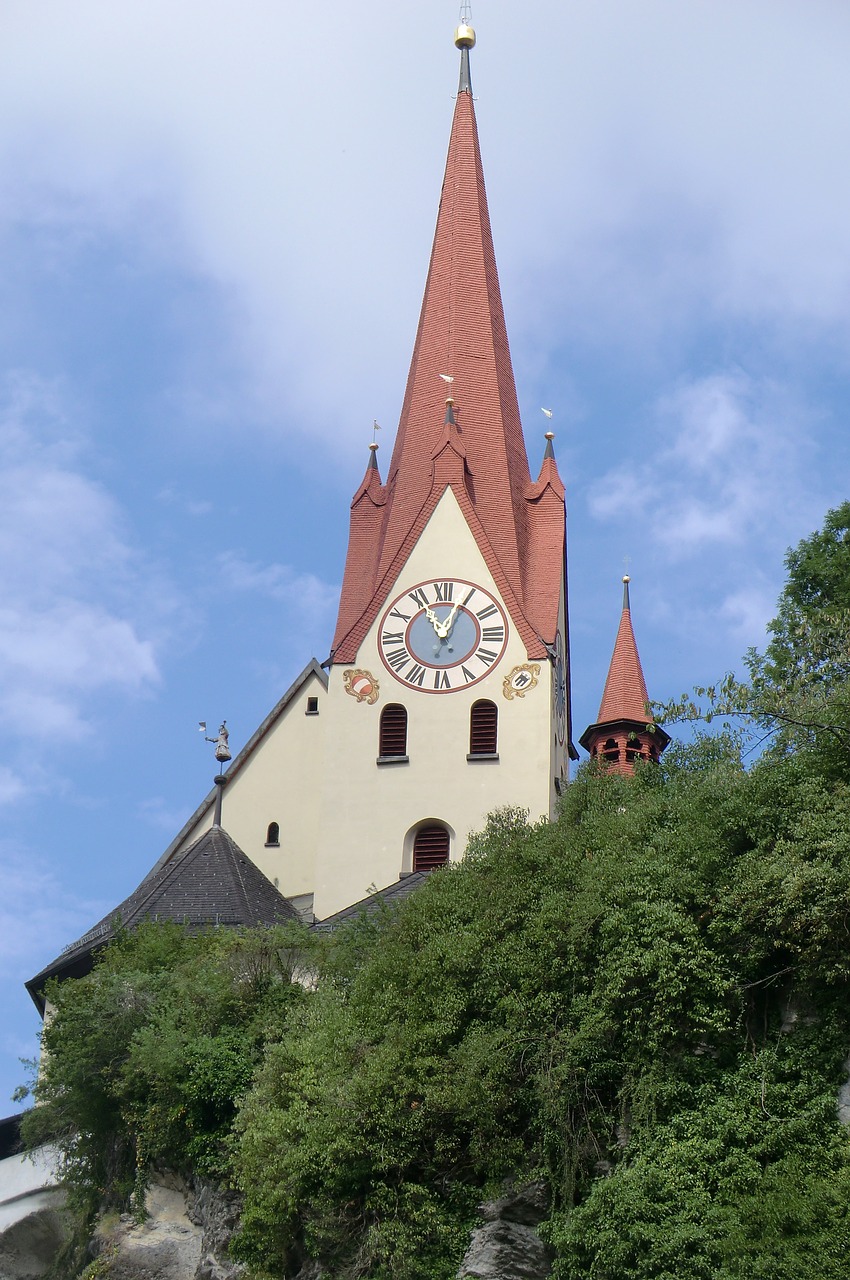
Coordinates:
145 1058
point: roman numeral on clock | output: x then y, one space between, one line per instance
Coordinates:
398 659
442 635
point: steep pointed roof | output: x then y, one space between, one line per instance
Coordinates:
461 344
625 696
212 882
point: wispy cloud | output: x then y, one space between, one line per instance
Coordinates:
281 582
719 456
69 578
35 905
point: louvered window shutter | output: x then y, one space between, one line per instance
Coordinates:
430 848
393 734
483 728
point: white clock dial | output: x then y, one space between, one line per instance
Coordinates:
442 635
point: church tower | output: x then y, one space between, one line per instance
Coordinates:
446 693
448 690
624 730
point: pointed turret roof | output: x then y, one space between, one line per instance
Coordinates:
462 346
625 696
625 700
212 882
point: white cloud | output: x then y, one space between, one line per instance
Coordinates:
686 160
304 591
68 577
720 456
748 613
35 905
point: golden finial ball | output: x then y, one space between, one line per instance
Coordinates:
465 36
549 435
626 578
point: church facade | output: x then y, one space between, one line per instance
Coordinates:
446 694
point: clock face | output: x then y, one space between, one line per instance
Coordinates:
441 636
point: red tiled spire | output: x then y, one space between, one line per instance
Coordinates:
620 732
625 695
477 448
367 515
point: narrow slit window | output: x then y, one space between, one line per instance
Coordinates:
430 848
273 833
392 739
483 728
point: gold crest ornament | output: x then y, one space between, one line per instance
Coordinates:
362 685
517 682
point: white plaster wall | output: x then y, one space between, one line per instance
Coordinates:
280 783
368 809
27 1183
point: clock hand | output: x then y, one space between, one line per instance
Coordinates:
445 629
433 619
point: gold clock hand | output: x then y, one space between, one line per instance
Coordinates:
433 619
450 620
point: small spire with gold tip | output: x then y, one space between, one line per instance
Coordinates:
626 581
550 450
465 40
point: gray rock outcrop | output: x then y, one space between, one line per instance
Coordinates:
507 1246
29 1246
184 1237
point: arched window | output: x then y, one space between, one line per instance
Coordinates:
611 751
273 833
393 732
483 728
430 848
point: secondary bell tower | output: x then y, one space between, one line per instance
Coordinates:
448 688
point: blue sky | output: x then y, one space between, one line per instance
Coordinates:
215 222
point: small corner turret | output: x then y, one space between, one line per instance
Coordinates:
624 730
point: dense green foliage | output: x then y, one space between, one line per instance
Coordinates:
144 1059
644 1003
809 635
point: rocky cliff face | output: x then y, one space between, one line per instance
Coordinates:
184 1236
507 1246
29 1245
188 1228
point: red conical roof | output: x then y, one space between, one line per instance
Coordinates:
462 336
625 696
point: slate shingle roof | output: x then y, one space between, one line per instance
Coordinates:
212 882
370 905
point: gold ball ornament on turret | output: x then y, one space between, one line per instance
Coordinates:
465 36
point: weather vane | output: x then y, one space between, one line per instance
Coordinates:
465 14
376 426
222 751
